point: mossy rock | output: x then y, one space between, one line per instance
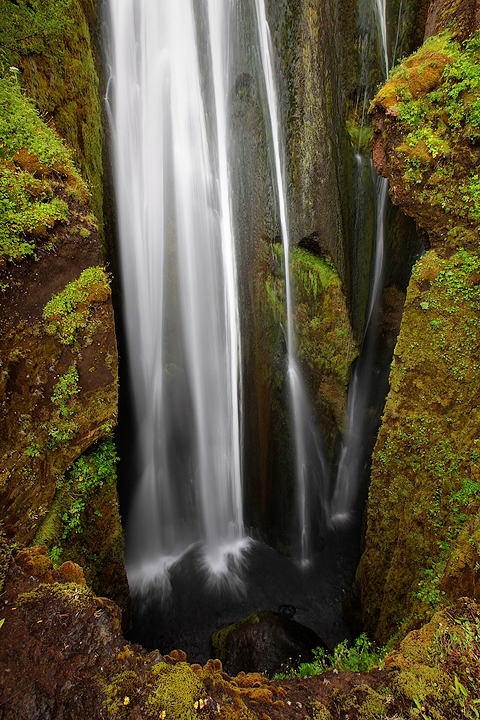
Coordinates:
51 43
425 487
173 690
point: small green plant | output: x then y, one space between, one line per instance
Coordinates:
62 425
84 478
70 310
65 389
362 656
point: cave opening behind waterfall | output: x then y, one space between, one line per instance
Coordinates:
210 471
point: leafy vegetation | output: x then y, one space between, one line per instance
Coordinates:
32 160
70 310
362 656
49 41
63 424
433 98
85 477
25 25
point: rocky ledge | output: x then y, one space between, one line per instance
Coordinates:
62 655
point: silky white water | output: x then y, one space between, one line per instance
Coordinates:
168 100
310 465
381 17
351 465
352 459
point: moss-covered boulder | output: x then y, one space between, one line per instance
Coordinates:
427 132
264 642
325 343
421 545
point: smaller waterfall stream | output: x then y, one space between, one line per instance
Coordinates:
353 458
310 466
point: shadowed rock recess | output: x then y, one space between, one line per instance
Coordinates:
63 588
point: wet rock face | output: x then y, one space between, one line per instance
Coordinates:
460 15
265 642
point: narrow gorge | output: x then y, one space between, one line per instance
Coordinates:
239 290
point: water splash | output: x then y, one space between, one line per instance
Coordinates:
179 280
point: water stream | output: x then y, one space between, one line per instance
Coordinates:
311 471
354 454
177 244
355 451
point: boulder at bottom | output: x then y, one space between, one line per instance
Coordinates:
264 642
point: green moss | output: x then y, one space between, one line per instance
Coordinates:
5 556
325 343
433 102
121 691
71 594
32 160
70 310
219 638
320 712
68 517
426 465
51 43
173 691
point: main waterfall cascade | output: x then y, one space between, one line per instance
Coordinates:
182 74
173 174
170 86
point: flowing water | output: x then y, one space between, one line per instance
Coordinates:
355 451
354 454
311 472
168 95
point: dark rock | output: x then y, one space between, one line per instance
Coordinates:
287 611
313 244
265 642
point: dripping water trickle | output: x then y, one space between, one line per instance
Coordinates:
353 457
311 471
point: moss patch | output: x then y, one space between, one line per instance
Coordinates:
173 691
325 343
428 118
50 42
425 487
32 161
71 309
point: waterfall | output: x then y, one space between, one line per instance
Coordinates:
168 99
310 465
353 458
381 15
